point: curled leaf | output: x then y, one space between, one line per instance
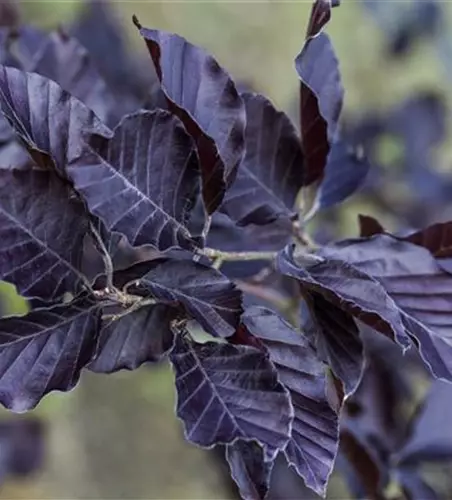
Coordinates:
209 106
313 445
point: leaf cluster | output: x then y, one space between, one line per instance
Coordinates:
134 214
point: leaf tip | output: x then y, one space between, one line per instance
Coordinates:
136 22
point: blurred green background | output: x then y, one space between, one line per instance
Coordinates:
117 436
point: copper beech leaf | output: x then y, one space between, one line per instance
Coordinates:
42 228
45 351
48 121
138 337
394 286
249 469
204 97
313 444
203 293
321 93
237 388
141 181
271 173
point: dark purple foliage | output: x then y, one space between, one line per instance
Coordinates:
116 176
249 469
140 213
313 445
45 351
219 383
321 96
336 336
41 234
209 106
271 173
139 337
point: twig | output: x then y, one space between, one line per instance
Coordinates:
142 302
217 263
233 256
105 257
206 228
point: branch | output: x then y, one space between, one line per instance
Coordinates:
234 256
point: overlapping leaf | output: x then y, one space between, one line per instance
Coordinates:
41 234
228 392
66 62
321 93
314 441
249 469
345 173
271 173
48 121
336 336
143 181
44 351
136 338
437 238
208 105
203 292
415 283
369 226
361 469
100 31
344 285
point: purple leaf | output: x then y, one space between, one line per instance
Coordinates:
228 392
249 469
369 226
45 351
136 338
100 31
364 474
22 447
321 97
271 173
436 238
313 445
41 234
204 97
24 42
117 178
48 121
430 439
320 16
415 283
336 337
344 174
204 293
349 288
66 62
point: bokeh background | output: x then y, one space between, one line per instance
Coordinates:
116 436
